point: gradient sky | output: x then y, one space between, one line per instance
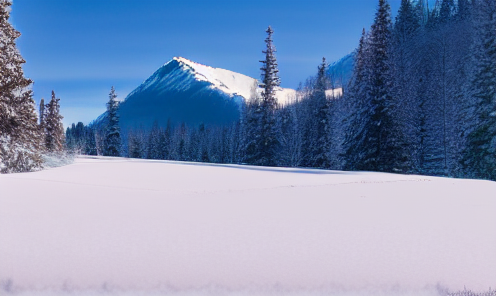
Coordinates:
80 48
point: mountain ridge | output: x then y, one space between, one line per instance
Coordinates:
184 91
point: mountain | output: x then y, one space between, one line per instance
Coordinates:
341 71
189 92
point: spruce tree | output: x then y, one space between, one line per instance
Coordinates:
42 115
268 144
357 107
382 149
54 129
20 139
251 120
112 140
405 66
153 146
320 119
480 154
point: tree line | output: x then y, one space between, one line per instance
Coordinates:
421 100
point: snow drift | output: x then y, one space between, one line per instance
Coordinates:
134 227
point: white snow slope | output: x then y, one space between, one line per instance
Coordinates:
114 226
233 83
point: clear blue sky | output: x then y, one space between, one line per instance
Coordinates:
80 48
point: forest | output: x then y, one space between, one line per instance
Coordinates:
421 100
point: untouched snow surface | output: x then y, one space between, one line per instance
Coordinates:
114 226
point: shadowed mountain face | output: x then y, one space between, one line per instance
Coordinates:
183 91
174 93
341 71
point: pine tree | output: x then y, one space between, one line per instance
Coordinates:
54 129
153 146
357 107
405 66
480 154
251 120
268 144
376 145
42 115
319 120
112 141
20 139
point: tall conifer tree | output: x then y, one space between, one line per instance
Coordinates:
112 133
357 107
268 144
480 154
20 139
320 119
54 129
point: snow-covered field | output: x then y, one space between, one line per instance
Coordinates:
134 227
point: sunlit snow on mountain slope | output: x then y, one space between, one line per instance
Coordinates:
182 91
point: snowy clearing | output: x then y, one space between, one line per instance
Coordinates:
134 227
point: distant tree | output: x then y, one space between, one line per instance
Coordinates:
316 120
20 138
290 130
137 144
54 129
357 107
268 144
112 140
153 145
251 138
42 115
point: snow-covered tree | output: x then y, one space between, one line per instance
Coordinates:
268 143
405 67
480 154
290 135
317 140
54 129
112 141
251 121
153 145
42 115
376 141
357 107
20 139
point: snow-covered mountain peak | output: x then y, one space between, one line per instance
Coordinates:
231 83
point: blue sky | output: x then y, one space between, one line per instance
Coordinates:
80 48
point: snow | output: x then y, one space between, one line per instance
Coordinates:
232 83
334 93
135 227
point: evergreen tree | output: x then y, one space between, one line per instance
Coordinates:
90 139
54 129
480 154
290 136
136 146
318 127
405 66
251 120
166 141
268 144
153 147
42 115
112 140
357 107
20 139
